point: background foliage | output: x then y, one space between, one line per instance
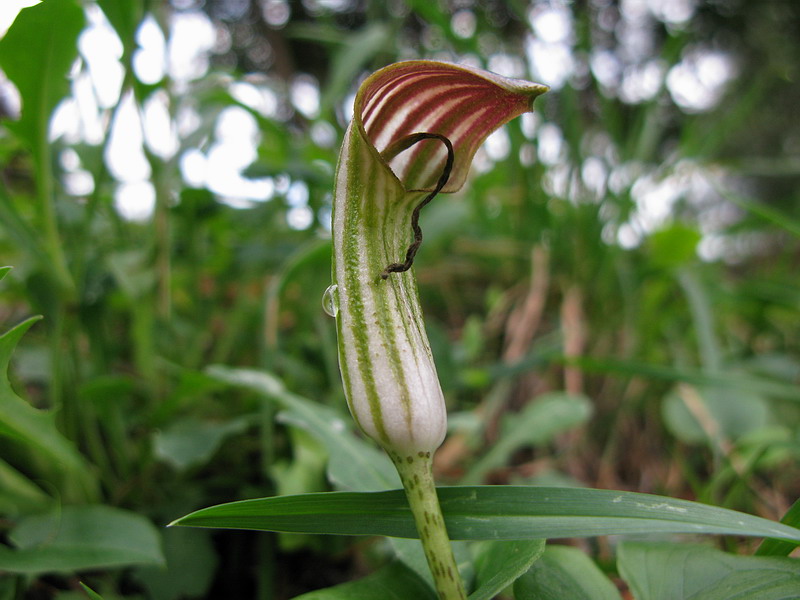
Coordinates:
613 299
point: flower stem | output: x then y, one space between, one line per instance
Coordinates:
416 473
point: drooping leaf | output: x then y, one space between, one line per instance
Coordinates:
354 464
499 564
36 54
564 572
81 537
489 513
690 572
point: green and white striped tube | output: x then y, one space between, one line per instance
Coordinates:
389 377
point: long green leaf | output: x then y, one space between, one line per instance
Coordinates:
690 572
489 513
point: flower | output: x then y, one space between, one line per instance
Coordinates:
415 130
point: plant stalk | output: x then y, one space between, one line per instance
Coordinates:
416 473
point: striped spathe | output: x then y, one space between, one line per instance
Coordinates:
387 368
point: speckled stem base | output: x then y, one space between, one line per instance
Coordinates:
416 473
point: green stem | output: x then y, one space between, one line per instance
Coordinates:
416 473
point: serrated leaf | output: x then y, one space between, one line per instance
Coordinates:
564 572
489 513
36 429
79 538
689 572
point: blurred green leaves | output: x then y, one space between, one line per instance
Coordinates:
78 538
538 423
191 442
107 399
713 415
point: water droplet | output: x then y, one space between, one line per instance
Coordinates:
330 300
